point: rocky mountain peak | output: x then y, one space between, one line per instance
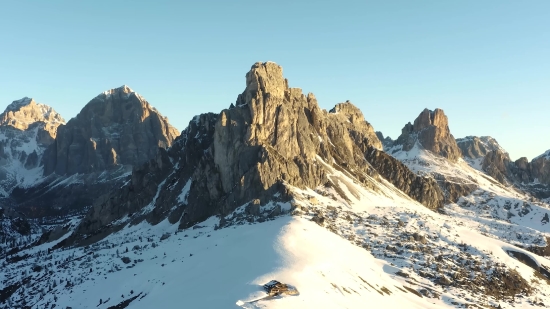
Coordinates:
273 141
268 96
431 131
122 90
355 116
267 78
474 147
117 127
428 118
24 113
26 129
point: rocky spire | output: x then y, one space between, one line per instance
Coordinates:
118 127
431 131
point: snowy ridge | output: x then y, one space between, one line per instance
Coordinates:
487 142
491 201
124 90
125 93
17 104
345 246
545 155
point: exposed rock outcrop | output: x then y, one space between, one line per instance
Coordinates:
118 127
540 168
355 116
431 131
274 139
496 164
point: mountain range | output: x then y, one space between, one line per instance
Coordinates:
117 209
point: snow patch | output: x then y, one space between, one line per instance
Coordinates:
182 197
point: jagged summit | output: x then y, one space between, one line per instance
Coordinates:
431 131
25 112
121 89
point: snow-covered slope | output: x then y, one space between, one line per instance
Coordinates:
345 247
274 188
493 199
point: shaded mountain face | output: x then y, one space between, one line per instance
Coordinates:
27 128
118 127
430 130
274 139
94 152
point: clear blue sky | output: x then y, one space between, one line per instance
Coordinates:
486 63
